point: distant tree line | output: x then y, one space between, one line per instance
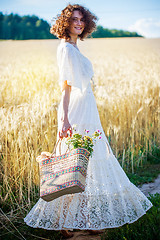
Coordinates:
17 27
105 32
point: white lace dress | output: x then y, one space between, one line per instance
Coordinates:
110 200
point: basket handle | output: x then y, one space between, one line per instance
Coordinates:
54 150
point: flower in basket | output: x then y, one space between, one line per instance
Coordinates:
87 141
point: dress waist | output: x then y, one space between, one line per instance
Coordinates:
85 91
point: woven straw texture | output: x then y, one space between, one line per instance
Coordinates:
64 174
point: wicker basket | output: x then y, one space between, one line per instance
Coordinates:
63 174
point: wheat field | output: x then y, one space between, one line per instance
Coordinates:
127 91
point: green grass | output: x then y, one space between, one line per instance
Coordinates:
147 173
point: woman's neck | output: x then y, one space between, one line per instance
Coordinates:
73 43
73 39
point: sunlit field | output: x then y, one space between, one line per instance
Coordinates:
127 91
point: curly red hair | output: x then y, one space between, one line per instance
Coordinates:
63 20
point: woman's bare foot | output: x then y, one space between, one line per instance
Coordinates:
66 233
94 232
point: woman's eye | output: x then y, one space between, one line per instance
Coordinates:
76 20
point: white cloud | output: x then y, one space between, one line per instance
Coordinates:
147 27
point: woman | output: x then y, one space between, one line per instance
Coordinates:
110 200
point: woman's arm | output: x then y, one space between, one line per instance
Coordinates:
64 118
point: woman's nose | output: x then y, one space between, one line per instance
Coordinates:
79 22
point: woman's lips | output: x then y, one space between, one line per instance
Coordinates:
78 28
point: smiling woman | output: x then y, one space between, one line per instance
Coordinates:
74 15
109 200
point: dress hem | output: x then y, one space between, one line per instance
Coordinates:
108 227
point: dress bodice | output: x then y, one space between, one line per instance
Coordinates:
73 66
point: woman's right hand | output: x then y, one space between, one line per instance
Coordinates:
63 132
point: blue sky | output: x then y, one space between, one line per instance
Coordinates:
142 16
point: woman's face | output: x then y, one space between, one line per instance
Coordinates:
77 23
